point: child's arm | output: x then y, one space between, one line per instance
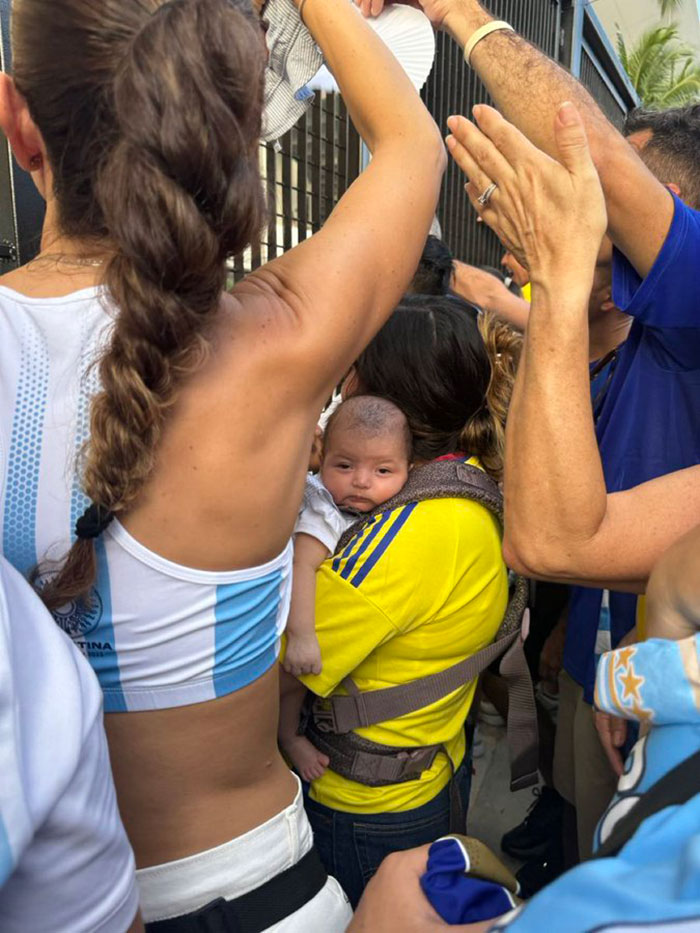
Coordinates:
303 655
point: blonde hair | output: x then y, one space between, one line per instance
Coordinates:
485 433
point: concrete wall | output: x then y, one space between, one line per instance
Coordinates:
634 16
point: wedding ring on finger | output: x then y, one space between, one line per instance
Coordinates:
488 194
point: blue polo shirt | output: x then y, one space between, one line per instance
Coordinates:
649 422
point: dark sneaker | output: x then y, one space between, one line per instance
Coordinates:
534 835
538 873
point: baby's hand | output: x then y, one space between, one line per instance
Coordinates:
303 655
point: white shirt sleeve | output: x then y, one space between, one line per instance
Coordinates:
320 517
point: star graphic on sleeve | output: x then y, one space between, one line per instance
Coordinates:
643 715
622 657
631 684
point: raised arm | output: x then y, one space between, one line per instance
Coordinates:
491 294
560 523
342 284
640 209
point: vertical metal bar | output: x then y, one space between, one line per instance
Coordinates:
558 46
355 145
272 201
316 193
302 177
342 147
577 37
287 217
329 154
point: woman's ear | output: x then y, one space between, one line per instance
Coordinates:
316 457
350 385
20 129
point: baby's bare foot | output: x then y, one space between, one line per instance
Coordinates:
303 655
306 758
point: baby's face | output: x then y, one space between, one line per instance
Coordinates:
363 472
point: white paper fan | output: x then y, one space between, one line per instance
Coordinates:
408 33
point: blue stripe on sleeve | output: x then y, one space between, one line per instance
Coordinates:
348 547
376 554
350 566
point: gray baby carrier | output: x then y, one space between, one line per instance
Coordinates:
330 721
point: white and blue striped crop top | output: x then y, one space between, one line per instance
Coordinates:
160 635
157 634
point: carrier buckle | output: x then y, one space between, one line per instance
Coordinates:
324 718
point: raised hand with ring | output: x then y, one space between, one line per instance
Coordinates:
550 214
484 198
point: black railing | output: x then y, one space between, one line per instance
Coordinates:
312 166
305 174
454 88
568 32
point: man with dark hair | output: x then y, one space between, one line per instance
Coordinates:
668 142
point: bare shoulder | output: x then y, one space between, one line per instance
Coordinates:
269 306
267 315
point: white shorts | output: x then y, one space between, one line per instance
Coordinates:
239 866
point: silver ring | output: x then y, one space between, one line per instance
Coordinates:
488 194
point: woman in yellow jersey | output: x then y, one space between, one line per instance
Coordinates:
420 589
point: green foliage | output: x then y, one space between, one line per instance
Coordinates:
664 70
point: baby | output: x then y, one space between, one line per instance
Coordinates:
366 459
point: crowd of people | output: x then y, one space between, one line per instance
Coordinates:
259 713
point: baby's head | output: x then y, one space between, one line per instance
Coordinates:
367 450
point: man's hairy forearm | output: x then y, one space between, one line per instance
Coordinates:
528 88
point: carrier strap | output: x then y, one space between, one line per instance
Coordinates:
376 765
335 718
339 715
445 479
371 763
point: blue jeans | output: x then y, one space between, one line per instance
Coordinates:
352 846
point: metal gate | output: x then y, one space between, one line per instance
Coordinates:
570 33
305 174
454 88
311 167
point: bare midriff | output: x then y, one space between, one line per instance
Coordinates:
193 777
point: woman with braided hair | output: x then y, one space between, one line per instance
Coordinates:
140 123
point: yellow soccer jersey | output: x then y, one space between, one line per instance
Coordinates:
422 587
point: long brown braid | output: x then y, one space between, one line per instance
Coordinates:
151 117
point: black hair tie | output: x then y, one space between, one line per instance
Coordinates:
93 522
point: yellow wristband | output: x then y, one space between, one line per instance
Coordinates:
481 33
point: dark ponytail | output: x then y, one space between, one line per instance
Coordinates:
177 96
451 371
